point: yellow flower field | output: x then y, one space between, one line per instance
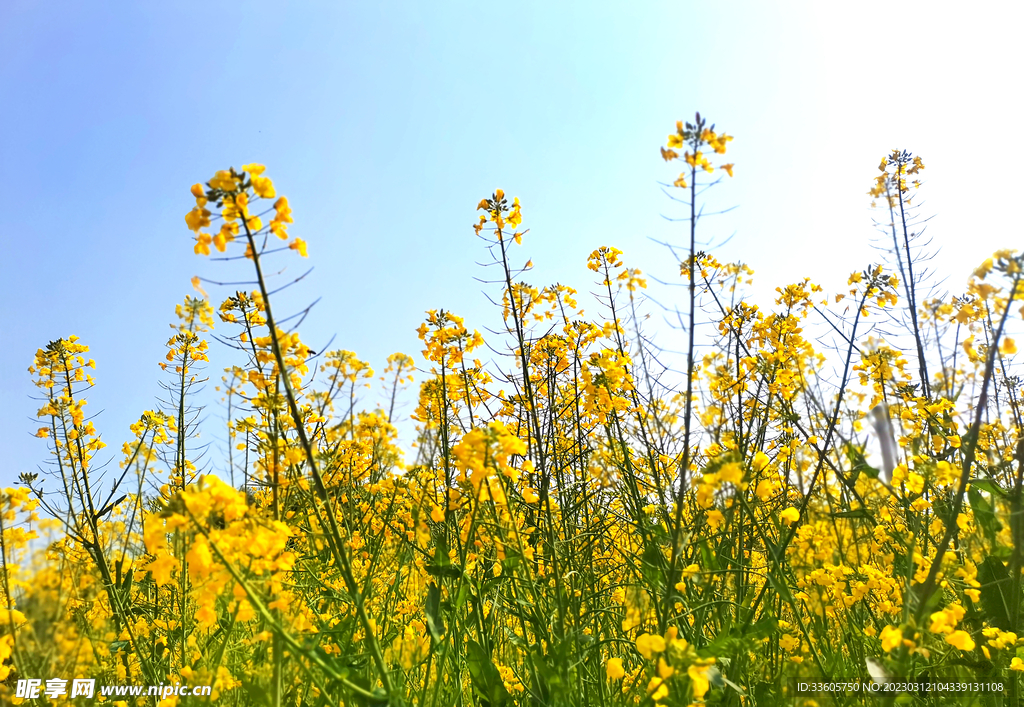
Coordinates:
570 528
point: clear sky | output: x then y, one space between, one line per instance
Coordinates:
385 123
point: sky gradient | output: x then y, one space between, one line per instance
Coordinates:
385 124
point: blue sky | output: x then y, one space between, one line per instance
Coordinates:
385 123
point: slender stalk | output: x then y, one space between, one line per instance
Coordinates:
334 535
928 588
673 572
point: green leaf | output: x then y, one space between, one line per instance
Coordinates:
779 586
765 627
709 558
335 667
863 466
650 564
453 571
996 596
462 596
984 513
485 677
432 608
717 678
258 694
855 513
988 485
126 582
441 551
376 698
764 692
442 566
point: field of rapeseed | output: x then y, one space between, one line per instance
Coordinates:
570 528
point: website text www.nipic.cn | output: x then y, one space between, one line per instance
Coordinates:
54 688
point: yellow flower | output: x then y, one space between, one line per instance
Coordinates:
915 482
223 181
946 620
698 673
728 168
765 489
891 638
649 644
263 187
731 473
698 160
223 237
718 142
613 668
202 246
1017 664
161 568
199 558
790 515
299 246
961 640
657 689
9 616
285 600
197 218
206 616
1007 347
